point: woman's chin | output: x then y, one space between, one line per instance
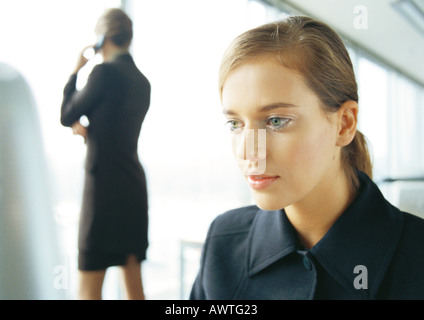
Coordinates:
268 203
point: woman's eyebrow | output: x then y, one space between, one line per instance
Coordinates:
277 105
228 112
265 108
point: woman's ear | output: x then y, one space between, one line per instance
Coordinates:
348 120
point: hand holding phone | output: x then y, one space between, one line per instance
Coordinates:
91 51
82 59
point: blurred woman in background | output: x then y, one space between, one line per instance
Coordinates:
114 215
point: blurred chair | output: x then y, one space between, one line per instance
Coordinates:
411 199
406 193
28 244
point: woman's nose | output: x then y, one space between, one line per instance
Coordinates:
250 151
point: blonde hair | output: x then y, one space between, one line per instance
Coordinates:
117 26
317 52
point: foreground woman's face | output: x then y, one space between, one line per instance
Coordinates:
289 139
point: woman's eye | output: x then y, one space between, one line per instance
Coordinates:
233 125
277 123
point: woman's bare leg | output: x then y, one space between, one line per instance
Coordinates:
132 279
90 284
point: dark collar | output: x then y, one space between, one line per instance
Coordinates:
125 56
366 234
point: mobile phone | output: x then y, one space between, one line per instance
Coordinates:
99 44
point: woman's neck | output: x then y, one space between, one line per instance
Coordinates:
313 216
111 51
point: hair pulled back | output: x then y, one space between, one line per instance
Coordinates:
117 26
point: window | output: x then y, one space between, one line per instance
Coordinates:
184 145
407 133
374 112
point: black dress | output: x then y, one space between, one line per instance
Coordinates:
114 212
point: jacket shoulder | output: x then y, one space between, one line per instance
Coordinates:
405 279
103 69
100 73
412 238
234 221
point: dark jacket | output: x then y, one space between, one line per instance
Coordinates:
115 100
373 251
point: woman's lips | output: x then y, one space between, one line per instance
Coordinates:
260 182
